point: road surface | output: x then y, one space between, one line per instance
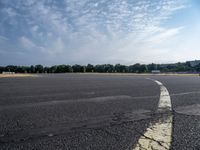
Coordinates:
99 111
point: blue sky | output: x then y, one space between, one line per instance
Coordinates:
52 32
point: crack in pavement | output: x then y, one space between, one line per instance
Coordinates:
59 129
64 101
155 137
158 136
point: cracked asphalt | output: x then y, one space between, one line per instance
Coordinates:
94 111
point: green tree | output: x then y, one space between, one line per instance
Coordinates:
39 69
99 68
89 68
108 68
32 69
78 68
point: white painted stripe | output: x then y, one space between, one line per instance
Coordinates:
158 82
158 135
165 100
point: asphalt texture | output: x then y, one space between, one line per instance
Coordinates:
94 111
185 97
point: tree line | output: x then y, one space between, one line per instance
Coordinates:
104 68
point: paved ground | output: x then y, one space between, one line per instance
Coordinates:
82 111
185 96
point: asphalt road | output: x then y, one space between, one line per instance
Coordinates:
86 112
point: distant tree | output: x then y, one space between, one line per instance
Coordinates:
11 68
78 68
26 69
130 69
152 66
39 69
171 67
89 68
197 68
99 68
63 69
60 69
117 67
108 68
32 69
135 68
143 69
2 69
180 67
69 68
187 64
165 70
46 70
21 69
120 68
52 69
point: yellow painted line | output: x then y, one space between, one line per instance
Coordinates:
16 75
158 136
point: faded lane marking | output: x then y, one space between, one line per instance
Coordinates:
185 93
159 135
66 101
189 110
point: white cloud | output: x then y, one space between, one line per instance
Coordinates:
164 35
57 47
26 43
100 31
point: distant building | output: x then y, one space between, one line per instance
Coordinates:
193 63
155 71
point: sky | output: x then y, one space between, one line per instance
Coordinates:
51 32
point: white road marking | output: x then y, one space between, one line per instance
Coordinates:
158 136
165 100
158 82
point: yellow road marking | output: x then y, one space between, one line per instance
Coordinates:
16 75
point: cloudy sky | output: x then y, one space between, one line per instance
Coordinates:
52 32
